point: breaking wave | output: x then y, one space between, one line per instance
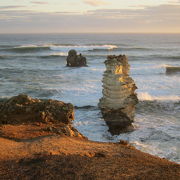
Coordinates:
26 49
147 97
83 48
157 104
60 48
62 54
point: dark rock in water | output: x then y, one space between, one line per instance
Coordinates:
172 69
119 98
117 121
74 60
23 109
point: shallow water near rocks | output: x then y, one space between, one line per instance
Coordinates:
35 65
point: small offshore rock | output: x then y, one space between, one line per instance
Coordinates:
172 69
74 60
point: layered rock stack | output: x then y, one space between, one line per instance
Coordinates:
75 60
119 98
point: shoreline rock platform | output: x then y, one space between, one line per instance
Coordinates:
119 98
39 148
172 69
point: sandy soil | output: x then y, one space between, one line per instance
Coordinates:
28 151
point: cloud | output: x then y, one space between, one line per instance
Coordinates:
174 2
159 13
95 2
11 7
39 2
163 18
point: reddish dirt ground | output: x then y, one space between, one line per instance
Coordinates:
30 152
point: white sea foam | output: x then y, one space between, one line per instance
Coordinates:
156 122
61 48
29 46
59 54
147 97
149 67
82 48
142 145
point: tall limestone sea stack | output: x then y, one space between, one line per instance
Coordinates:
119 98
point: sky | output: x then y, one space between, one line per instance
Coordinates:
89 16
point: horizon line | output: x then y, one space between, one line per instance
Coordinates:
91 33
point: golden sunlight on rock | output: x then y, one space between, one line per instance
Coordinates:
119 97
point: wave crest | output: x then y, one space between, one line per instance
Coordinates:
28 48
60 48
82 48
145 96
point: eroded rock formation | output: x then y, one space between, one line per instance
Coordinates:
57 115
119 97
29 152
74 60
172 69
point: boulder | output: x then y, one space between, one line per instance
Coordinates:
74 60
172 69
119 98
23 109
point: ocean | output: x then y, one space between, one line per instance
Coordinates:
35 64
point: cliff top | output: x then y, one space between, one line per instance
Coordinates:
36 150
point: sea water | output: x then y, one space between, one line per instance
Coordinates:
35 64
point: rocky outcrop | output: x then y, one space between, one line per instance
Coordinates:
74 60
21 109
119 97
27 152
172 69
